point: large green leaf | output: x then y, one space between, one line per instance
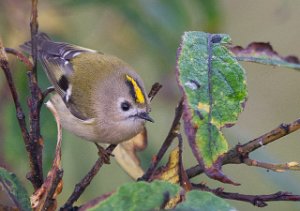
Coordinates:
14 189
138 196
151 196
214 86
200 201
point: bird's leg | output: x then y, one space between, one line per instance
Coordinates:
103 154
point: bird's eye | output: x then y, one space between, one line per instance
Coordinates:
125 106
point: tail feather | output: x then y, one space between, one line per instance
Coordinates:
47 48
41 38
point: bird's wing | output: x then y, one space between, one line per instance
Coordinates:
55 58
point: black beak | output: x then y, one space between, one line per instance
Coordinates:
145 116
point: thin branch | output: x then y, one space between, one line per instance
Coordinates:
154 90
273 167
81 186
36 174
183 178
256 200
171 135
239 153
21 57
56 173
34 30
282 130
33 140
44 198
20 114
50 200
29 66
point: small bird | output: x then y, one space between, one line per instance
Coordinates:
99 97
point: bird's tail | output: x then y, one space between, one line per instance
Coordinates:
41 39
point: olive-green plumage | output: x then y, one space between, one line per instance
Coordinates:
99 97
87 73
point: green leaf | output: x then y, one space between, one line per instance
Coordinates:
214 86
263 53
138 196
14 189
199 200
150 196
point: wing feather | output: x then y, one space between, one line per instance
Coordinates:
55 58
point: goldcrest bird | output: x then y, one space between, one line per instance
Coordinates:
99 97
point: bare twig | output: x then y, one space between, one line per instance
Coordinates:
21 57
56 173
183 178
256 200
20 114
271 166
50 201
233 156
81 186
32 140
36 174
36 140
171 135
34 30
240 152
154 90
44 198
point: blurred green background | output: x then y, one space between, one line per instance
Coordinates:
146 34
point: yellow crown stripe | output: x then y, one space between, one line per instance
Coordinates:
137 90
